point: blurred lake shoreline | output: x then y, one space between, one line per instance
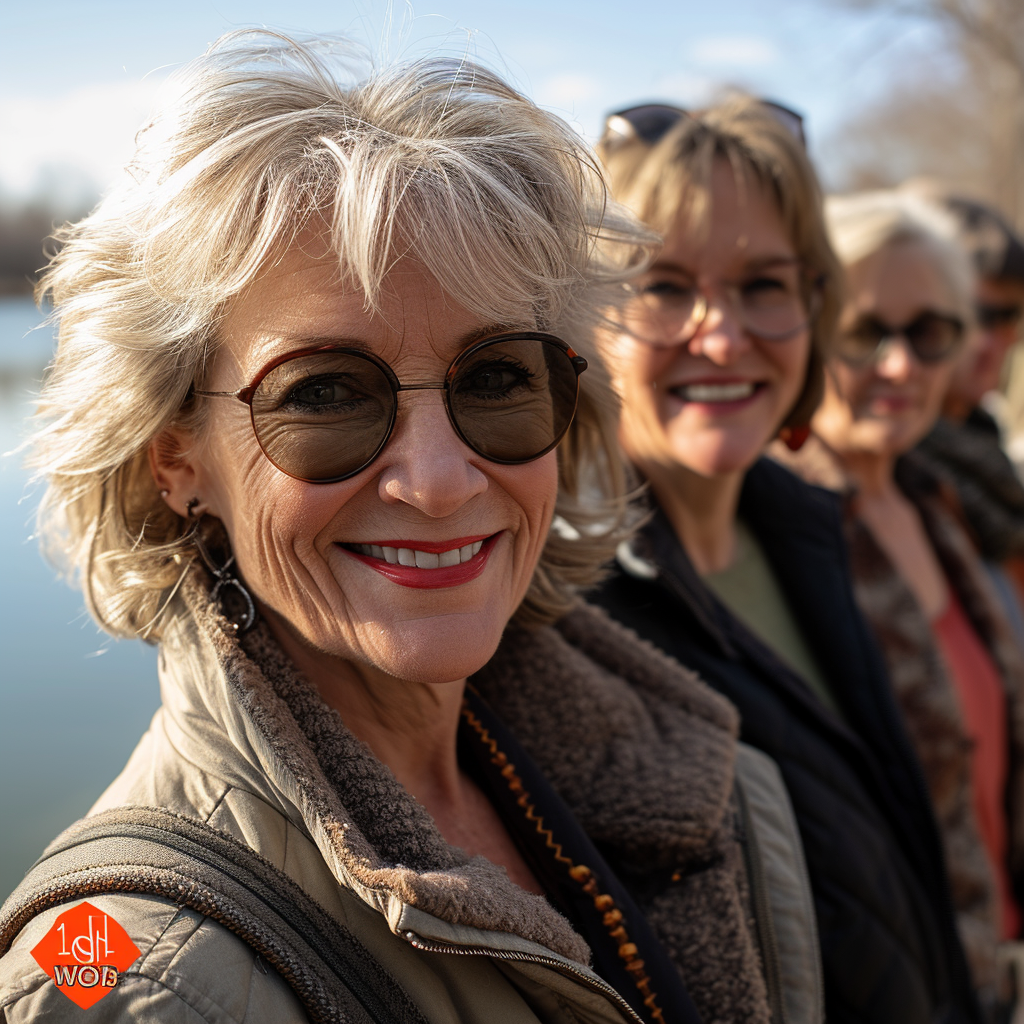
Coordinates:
73 702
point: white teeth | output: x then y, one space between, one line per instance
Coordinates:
715 392
448 558
420 559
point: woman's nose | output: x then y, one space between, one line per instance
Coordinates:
426 464
895 361
720 336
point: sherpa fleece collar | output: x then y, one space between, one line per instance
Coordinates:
640 750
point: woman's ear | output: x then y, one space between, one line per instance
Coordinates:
173 471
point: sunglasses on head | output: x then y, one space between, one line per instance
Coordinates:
323 414
932 337
651 122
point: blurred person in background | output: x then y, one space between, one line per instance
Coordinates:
967 441
951 653
740 570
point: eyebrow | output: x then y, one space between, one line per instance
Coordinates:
299 342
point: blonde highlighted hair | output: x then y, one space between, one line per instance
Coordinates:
667 184
436 160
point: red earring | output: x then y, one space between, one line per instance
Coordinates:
794 437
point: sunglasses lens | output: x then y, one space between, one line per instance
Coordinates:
933 337
323 416
992 317
858 344
513 399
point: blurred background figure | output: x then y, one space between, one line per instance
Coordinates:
969 439
955 666
998 256
740 571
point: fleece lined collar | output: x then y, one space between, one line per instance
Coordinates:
640 750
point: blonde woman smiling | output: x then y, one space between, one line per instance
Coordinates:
740 572
325 379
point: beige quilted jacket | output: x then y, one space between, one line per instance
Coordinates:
641 751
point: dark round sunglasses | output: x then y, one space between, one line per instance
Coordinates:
651 122
324 414
931 336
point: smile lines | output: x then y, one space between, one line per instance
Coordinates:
419 559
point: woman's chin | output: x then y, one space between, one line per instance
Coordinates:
718 454
434 650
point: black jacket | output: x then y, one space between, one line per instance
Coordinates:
890 952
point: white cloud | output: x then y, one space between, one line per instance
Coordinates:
84 136
565 92
734 51
686 89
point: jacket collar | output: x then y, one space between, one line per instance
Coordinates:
607 738
772 501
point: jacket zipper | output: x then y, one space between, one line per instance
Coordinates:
567 969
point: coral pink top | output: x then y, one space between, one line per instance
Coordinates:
983 704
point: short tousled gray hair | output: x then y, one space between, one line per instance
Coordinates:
436 160
862 224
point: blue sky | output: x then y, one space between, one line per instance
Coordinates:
78 77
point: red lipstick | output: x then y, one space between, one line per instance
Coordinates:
430 579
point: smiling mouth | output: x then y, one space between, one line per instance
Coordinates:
427 565
416 557
715 393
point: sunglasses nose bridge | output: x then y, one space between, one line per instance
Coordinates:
425 386
444 388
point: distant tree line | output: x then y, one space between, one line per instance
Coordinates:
958 116
26 242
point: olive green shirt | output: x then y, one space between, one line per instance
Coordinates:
748 588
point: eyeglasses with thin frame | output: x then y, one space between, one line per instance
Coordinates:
932 337
651 122
774 300
324 413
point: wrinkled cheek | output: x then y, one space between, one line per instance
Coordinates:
542 494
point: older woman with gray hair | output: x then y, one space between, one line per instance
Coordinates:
951 653
324 382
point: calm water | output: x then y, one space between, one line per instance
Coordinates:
72 702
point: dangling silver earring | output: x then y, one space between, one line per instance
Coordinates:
243 615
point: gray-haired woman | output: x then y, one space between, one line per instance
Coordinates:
951 653
309 425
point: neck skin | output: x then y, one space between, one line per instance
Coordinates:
410 727
873 473
413 729
896 526
702 511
